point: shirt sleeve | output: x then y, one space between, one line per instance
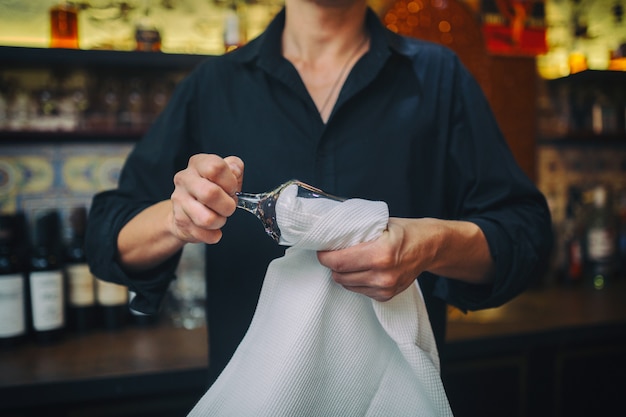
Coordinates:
491 190
146 178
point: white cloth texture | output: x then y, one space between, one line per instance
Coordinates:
316 349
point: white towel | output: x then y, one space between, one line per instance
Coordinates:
316 349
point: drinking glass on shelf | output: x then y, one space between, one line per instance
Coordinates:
187 292
20 108
80 99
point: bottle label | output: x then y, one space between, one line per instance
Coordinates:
46 292
110 293
12 320
81 286
601 244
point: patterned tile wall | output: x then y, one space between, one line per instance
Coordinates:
37 177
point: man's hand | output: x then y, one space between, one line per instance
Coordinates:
204 197
385 267
382 268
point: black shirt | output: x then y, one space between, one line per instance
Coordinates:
411 127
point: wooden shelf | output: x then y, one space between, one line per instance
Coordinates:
592 76
96 62
80 136
585 139
78 58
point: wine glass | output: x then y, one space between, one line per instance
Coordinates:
263 205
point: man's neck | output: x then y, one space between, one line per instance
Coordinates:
320 29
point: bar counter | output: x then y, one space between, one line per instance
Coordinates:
160 370
541 311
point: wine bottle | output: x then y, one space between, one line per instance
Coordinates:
46 280
81 296
112 301
621 234
572 271
600 240
13 328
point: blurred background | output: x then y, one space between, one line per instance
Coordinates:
81 81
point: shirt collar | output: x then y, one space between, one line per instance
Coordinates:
266 48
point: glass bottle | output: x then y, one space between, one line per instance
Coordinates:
64 25
234 27
13 290
112 302
147 34
600 237
621 235
572 272
46 280
81 295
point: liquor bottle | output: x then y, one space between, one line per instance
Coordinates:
13 328
600 240
64 25
112 301
621 235
572 270
46 280
234 28
81 296
147 34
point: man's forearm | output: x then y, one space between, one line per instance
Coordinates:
462 252
146 241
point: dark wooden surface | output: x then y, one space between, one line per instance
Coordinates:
554 352
543 310
138 367
164 348
155 371
105 354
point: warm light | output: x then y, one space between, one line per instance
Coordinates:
414 7
444 26
617 64
577 62
24 41
439 4
391 18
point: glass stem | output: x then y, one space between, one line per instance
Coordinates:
248 202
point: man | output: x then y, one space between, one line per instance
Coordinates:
326 95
